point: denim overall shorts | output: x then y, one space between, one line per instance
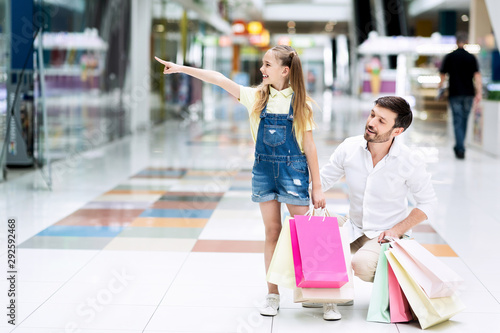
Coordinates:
280 170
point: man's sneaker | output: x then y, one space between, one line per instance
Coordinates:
348 303
331 312
312 305
271 306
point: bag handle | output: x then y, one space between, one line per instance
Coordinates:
313 212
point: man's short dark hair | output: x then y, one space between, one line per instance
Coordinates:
400 106
462 37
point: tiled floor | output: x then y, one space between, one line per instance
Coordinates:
157 233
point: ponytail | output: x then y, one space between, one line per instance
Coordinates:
302 112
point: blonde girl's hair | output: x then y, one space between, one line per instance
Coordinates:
302 112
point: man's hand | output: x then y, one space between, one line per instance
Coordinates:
318 198
416 216
170 67
386 236
440 94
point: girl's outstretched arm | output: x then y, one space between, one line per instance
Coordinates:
318 198
203 74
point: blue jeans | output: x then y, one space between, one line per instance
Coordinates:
286 182
460 109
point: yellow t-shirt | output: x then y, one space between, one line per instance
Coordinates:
279 102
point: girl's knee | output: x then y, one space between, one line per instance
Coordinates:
273 233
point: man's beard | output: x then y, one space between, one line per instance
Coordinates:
378 138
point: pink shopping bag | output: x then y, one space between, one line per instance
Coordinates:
399 308
318 255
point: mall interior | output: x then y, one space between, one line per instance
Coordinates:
126 193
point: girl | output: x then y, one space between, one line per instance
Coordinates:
281 124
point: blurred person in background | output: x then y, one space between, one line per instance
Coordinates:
463 74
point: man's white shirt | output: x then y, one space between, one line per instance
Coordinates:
379 195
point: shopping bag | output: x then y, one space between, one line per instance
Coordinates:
437 279
429 311
378 309
318 255
281 270
330 295
398 304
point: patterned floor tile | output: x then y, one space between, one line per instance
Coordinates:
194 194
132 183
184 205
117 205
134 191
189 198
152 232
160 173
244 176
179 213
440 250
101 217
428 238
152 187
211 187
234 203
151 244
209 173
61 242
129 197
163 222
241 183
81 231
241 188
205 245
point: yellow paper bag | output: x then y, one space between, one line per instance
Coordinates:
429 311
281 270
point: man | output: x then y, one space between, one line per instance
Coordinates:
462 69
380 172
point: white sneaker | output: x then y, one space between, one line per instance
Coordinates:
312 305
331 312
271 306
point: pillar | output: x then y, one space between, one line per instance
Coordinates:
139 85
20 81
